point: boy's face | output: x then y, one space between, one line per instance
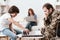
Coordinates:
13 14
46 11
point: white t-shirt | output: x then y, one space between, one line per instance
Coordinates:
4 23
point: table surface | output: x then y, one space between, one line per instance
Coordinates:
27 36
32 36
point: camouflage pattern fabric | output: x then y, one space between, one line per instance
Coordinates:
51 24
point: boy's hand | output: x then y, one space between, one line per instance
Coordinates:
26 30
14 31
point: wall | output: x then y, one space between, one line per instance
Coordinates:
24 5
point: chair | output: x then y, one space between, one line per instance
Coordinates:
3 36
58 29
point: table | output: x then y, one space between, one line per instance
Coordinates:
32 37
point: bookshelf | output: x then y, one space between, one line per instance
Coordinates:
58 5
4 6
3 9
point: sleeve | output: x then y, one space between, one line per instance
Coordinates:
35 17
7 16
55 17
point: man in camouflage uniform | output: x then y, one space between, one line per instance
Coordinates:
50 21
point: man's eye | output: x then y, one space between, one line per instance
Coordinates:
44 11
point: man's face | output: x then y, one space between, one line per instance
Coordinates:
46 11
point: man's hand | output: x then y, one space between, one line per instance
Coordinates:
42 30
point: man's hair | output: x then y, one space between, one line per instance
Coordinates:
13 9
48 6
49 18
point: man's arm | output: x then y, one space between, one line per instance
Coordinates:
10 27
55 17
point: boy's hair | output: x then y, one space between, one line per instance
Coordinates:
13 9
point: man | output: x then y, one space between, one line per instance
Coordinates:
51 16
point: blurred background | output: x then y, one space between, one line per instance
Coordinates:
24 5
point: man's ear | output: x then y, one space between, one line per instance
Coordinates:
50 9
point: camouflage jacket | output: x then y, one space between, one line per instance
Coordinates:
51 23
